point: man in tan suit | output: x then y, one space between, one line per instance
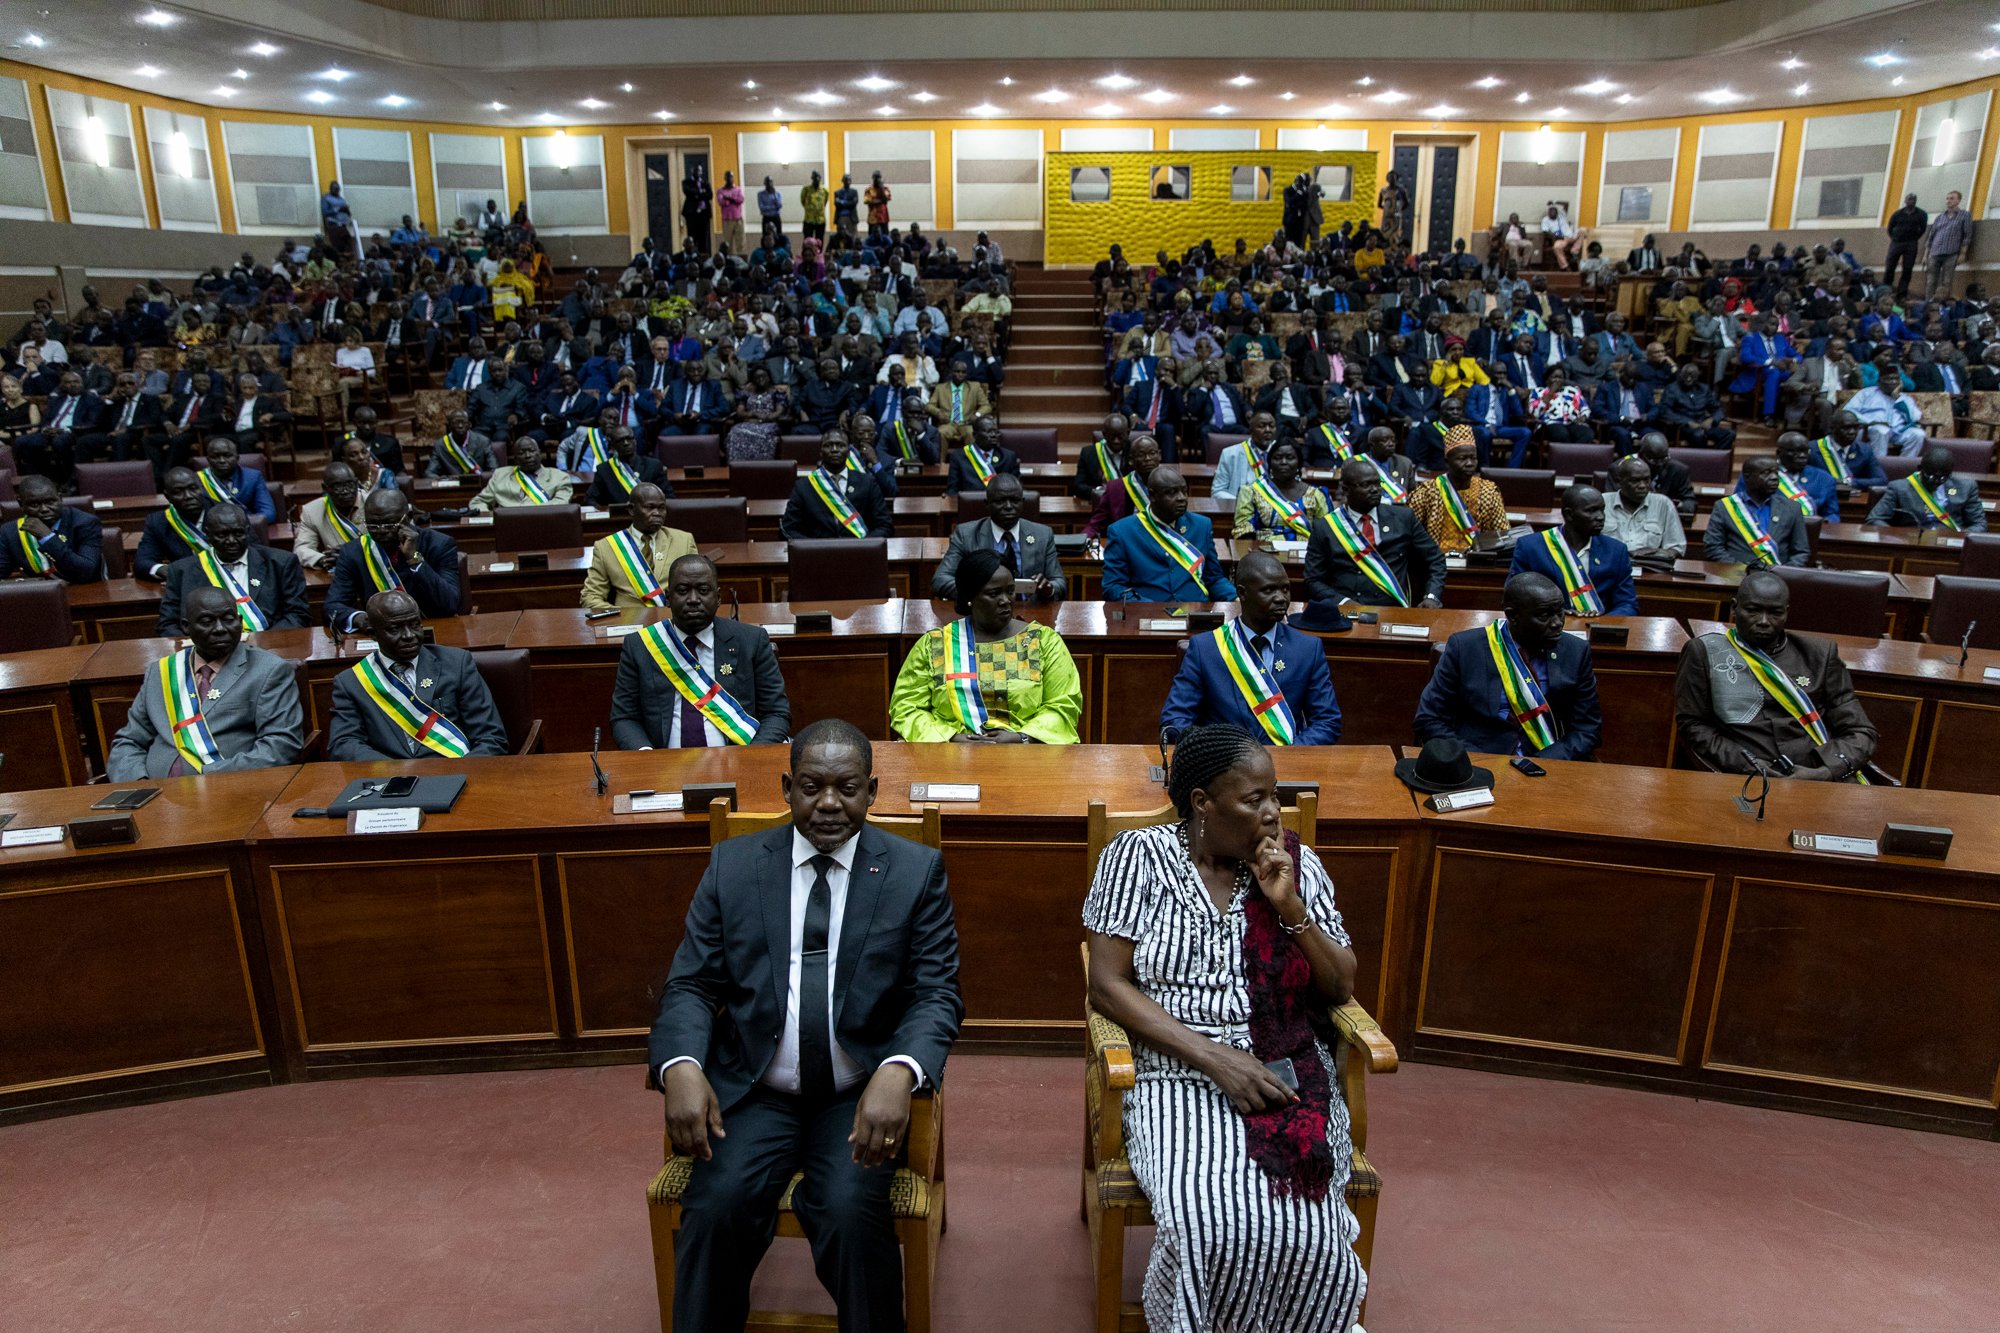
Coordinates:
506 489
956 404
608 587
318 538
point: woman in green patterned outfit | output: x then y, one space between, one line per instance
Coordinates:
987 678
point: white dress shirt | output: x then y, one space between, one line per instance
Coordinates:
704 644
246 415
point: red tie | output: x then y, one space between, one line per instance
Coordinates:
1153 409
1368 531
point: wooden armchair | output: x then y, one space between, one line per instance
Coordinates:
1112 1201
916 1196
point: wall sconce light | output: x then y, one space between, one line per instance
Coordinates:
96 142
181 155
784 145
1545 146
562 152
1942 146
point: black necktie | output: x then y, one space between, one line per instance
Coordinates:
1261 645
815 1036
1009 556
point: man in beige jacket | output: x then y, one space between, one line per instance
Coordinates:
648 544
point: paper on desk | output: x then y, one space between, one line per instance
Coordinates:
620 631
392 819
658 802
103 504
1406 631
1289 547
1513 517
363 645
445 483
1452 561
478 521
1991 673
32 837
597 513
779 630
1163 625
501 567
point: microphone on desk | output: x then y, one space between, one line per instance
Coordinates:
1965 644
603 781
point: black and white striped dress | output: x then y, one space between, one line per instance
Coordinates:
1228 1257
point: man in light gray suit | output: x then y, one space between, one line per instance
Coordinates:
1030 548
249 699
437 684
649 713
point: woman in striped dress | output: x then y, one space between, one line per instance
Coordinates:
1216 943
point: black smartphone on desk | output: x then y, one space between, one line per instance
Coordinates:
395 789
129 799
1528 767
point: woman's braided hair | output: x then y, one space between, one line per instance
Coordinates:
1201 755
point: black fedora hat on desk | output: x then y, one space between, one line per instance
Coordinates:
1321 618
1443 766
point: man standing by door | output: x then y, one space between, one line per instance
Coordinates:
729 204
1906 229
1945 242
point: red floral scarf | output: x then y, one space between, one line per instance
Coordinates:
1286 1015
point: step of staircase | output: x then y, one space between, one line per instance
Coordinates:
1053 373
1054 398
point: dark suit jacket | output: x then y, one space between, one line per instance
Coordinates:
1673 481
806 517
1405 545
359 731
961 477
77 553
895 970
145 417
606 492
434 583
1899 506
1036 543
1204 692
159 544
1465 699
1721 543
1610 570
643 700
277 585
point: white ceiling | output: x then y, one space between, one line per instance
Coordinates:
546 73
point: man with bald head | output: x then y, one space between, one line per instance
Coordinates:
1162 553
409 699
264 584
50 540
217 706
392 552
1593 570
1028 548
1931 498
1371 551
330 522
1519 685
1757 525
1232 674
629 568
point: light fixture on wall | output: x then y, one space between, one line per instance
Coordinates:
181 155
562 151
96 142
1942 145
784 145
1545 145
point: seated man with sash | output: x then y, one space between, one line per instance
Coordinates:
1243 462
1331 439
1162 553
1847 456
1125 493
1518 686
174 533
629 568
695 680
410 700
225 479
330 522
908 435
1398 474
1102 460
461 451
1754 697
392 553
1593 570
835 501
264 584
1749 529
868 459
51 540
617 468
1256 672
1371 551
216 706
1931 498
1812 488
1458 503
525 481
975 465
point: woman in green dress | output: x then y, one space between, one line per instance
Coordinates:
1278 503
988 678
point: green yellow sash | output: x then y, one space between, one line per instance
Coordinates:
380 572
341 527
695 685
459 458
534 488
638 570
1260 692
1937 511
31 550
977 462
1393 489
1102 453
1747 526
904 449
216 490
1791 490
1835 459
187 728
247 610
1336 441
1291 513
1788 695
187 532
1365 557
1454 507
415 719
1176 547
1582 593
836 504
1524 697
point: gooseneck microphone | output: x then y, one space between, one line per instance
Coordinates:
603 781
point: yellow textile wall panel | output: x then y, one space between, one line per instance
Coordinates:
1094 199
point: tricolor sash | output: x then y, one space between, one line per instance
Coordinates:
459 458
187 728
534 488
1255 459
904 449
1936 510
341 527
1525 699
1835 460
216 490
1103 456
1454 508
1176 547
977 462
31 550
695 685
1791 490
1393 489
1365 557
1747 526
1291 513
414 718
1787 694
593 440
638 569
961 677
380 572
247 610
186 531
1336 441
624 476
1582 593
836 504
1260 692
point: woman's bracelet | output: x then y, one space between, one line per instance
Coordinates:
1305 924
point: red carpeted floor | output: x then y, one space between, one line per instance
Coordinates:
514 1201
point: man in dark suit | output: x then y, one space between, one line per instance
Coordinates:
984 453
255 415
51 540
262 577
1757 525
172 533
1944 501
568 406
1029 549
1293 664
1153 407
773 1068
1623 404
694 405
72 412
1412 564
648 712
128 418
472 369
613 486
1211 405
825 501
1670 477
420 561
407 700
190 414
1602 583
1466 698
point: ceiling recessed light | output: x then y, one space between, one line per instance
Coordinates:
749 83
395 99
1440 111
923 97
1720 96
548 116
1366 81
592 104
624 87
983 109
335 74
1390 96
1596 87
159 18
1523 97
239 73
1241 81
875 83
663 115
1007 82
224 90
778 112
1622 98
265 49
1557 111
1157 96
1791 62
1052 96
1801 90
1488 82
320 96
496 106
1220 109
821 97
1896 82
1107 109
1990 53
1334 109
34 39
1117 82
1286 96
1883 58
148 71
885 111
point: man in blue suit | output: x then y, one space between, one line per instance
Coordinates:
226 479
1141 567
1600 579
1624 404
694 405
471 370
1290 662
51 540
1494 413
1798 476
1765 360
1848 450
1556 686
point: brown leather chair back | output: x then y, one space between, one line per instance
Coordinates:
764 479
116 566
972 505
800 449
114 480
34 613
1898 466
505 671
1710 467
6 483
537 527
1216 441
1031 444
1524 487
838 569
721 518
1974 457
1957 601
1980 559
1837 601
1578 460
689 451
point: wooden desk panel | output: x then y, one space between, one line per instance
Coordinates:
38 731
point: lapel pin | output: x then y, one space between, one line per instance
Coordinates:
215 694
425 682
726 669
256 583
874 870
1030 539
